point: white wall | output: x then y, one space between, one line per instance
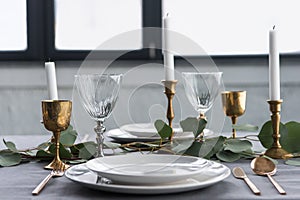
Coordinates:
23 86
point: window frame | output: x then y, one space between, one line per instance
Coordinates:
41 39
34 50
41 35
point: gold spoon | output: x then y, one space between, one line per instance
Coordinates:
264 166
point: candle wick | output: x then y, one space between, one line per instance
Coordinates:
49 59
167 14
274 27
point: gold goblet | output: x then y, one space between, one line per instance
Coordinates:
234 104
56 118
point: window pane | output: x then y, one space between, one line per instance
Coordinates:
86 24
225 27
13 31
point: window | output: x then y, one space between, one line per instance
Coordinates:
55 29
13 25
235 27
86 24
69 29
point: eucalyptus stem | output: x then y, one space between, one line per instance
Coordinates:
248 137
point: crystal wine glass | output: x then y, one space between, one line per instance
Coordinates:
201 90
98 94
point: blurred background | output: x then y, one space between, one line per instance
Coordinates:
233 36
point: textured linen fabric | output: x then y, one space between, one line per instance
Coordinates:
17 182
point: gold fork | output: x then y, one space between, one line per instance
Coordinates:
45 181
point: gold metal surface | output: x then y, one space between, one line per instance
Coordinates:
265 167
276 150
170 92
238 172
234 105
56 118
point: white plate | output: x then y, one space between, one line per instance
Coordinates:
145 129
122 136
212 175
147 169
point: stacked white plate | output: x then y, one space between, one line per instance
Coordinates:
148 174
143 132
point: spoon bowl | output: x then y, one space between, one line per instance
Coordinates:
266 167
263 166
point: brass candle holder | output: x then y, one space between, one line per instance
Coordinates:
276 150
56 118
170 92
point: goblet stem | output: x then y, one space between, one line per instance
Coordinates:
57 164
99 129
233 120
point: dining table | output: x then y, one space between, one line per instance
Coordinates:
17 182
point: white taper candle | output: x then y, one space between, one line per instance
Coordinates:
274 70
168 56
51 80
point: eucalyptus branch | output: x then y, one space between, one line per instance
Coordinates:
248 137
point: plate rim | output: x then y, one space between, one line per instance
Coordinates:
138 138
187 174
151 189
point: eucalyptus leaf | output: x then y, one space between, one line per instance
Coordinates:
294 162
180 146
10 145
228 156
189 124
111 145
266 132
211 146
43 145
291 138
163 129
194 149
63 152
245 127
68 136
31 153
8 158
87 151
219 144
201 126
44 155
76 147
237 146
206 149
192 124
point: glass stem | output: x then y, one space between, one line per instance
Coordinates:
99 129
201 135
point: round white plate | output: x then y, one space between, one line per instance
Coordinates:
145 129
147 169
212 175
121 136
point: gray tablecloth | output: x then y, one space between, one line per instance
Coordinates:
18 182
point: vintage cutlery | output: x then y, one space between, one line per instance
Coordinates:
239 173
45 181
264 166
